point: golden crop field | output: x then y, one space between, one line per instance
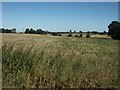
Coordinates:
45 61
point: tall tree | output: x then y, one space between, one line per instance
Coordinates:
114 30
27 30
32 31
80 31
70 33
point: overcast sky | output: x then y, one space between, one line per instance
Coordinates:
59 16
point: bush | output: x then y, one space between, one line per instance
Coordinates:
76 35
55 34
81 35
60 34
70 35
88 35
101 33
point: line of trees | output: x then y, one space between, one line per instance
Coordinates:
113 31
38 31
3 30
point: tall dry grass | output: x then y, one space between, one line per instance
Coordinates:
45 62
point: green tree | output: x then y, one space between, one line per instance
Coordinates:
88 34
32 31
2 30
74 31
59 34
54 33
13 30
70 33
81 35
39 31
114 30
80 31
27 30
104 32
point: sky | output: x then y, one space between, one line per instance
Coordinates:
60 0
59 16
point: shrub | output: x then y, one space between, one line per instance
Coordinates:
101 33
70 35
60 34
76 35
88 35
55 34
81 35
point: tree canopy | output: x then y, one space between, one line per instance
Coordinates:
32 31
114 30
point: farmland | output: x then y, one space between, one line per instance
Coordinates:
45 61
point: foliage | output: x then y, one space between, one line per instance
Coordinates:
59 34
55 34
40 31
76 35
81 35
70 35
88 34
74 31
80 31
94 32
32 31
104 32
114 30
3 30
27 30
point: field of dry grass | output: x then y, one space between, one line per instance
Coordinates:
40 61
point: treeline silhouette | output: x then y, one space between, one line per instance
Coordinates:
3 30
38 31
113 31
